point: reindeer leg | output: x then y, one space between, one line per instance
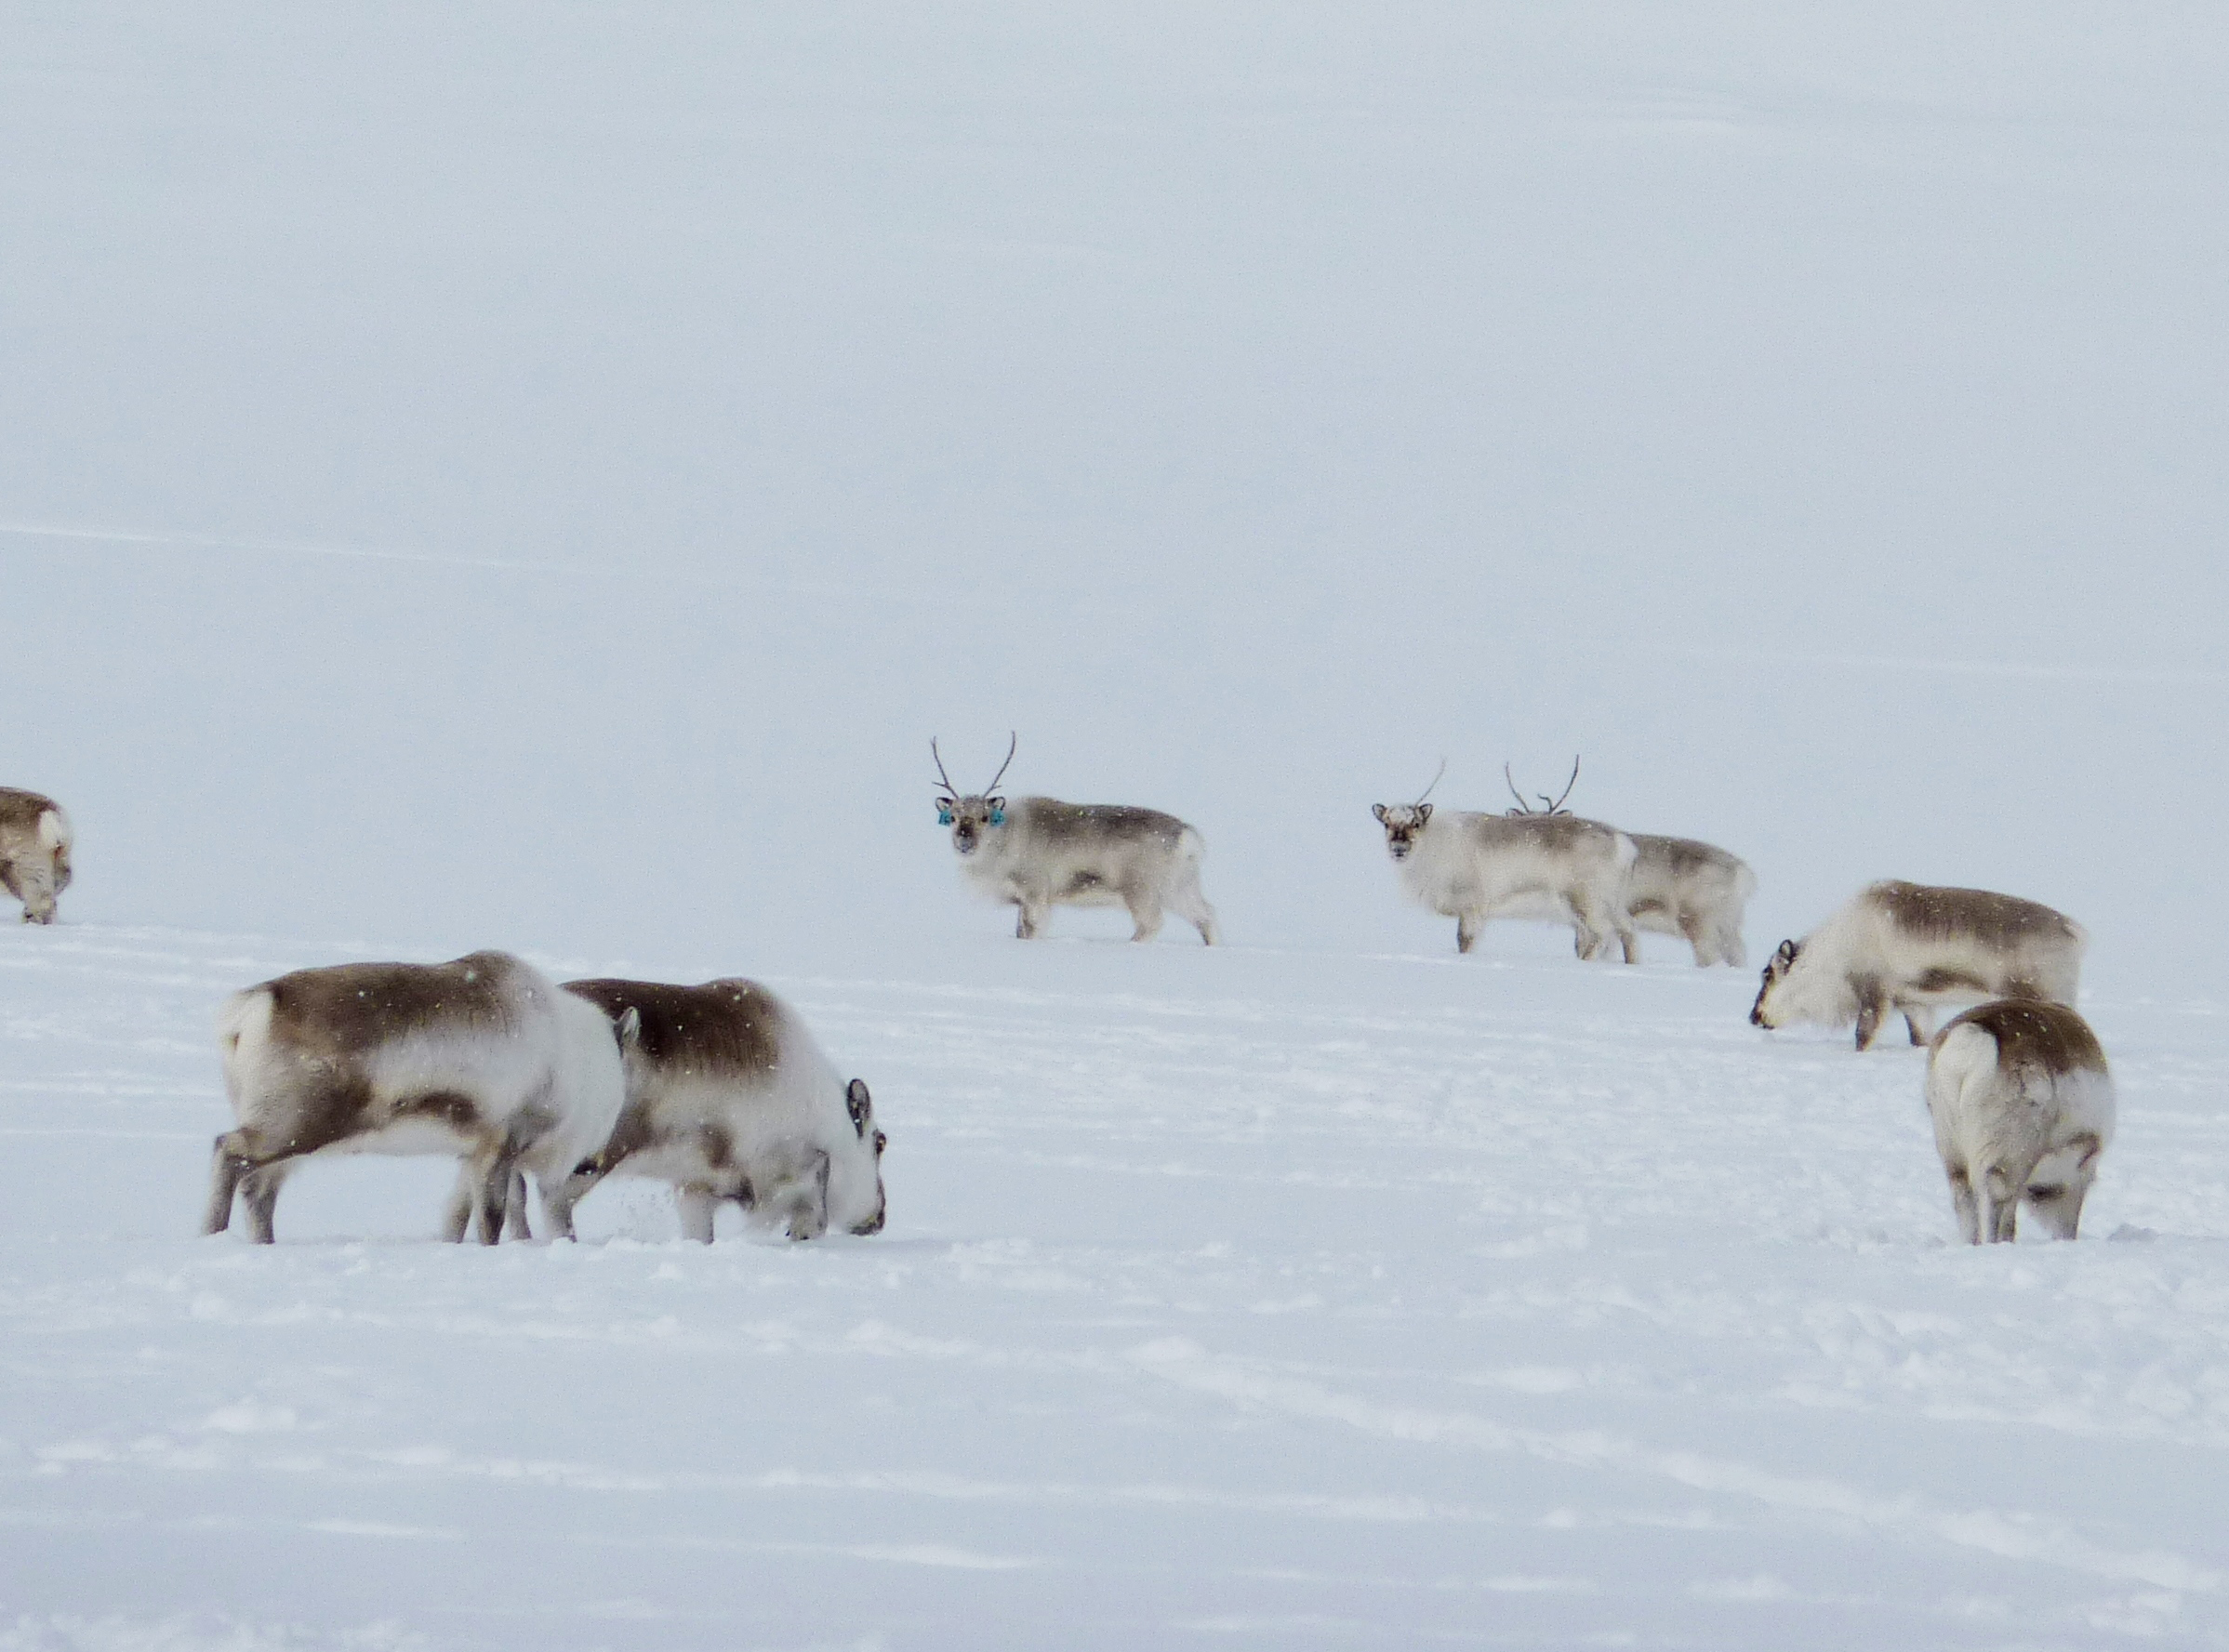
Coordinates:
261 1192
1920 1023
228 1164
515 1225
1699 937
1031 919
1145 914
1962 1202
1872 1006
1466 931
695 1202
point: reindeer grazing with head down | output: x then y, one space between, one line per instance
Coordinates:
1541 864
1901 948
35 840
1035 853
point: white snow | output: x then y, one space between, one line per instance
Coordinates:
497 475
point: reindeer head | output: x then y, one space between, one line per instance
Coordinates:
974 816
1405 822
1776 971
854 1172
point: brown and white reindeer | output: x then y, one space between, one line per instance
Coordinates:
1547 864
1036 853
36 839
2023 1106
1903 948
729 1097
1697 890
484 1060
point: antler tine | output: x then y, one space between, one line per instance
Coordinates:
1014 739
1567 787
949 789
1427 790
1522 807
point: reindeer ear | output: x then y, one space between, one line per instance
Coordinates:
1424 813
944 812
859 1105
1378 810
997 810
1786 954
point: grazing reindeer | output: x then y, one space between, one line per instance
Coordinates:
36 839
1681 887
1526 863
2022 1106
1039 853
728 1097
1904 947
484 1058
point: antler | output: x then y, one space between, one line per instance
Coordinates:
949 789
1013 740
1552 806
1427 790
1556 807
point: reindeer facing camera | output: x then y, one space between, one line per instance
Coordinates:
1542 863
1036 853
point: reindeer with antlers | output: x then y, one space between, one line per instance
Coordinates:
1542 863
1036 853
1679 886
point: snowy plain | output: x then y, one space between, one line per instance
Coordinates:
504 475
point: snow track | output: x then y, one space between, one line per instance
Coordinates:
1237 1298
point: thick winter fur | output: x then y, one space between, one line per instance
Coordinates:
1045 853
728 1097
1472 867
1681 887
484 1058
2024 1107
36 839
1904 947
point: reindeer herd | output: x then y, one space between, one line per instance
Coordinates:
719 1092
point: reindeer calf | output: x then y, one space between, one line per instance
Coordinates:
2022 1106
36 839
1906 946
728 1097
484 1060
1681 887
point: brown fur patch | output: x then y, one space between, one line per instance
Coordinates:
2035 1035
1682 856
1941 913
22 809
442 1107
1940 979
730 1027
1058 821
346 1009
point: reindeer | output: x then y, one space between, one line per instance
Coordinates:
1041 854
482 1059
2022 1106
1904 947
1543 864
728 1097
36 839
1681 887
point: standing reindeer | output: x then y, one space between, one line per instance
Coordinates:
1039 853
1904 947
1681 887
729 1097
1542 864
2022 1106
36 839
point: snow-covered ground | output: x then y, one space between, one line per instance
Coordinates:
1245 1297
499 474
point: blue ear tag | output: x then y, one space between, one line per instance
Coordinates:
943 817
998 817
